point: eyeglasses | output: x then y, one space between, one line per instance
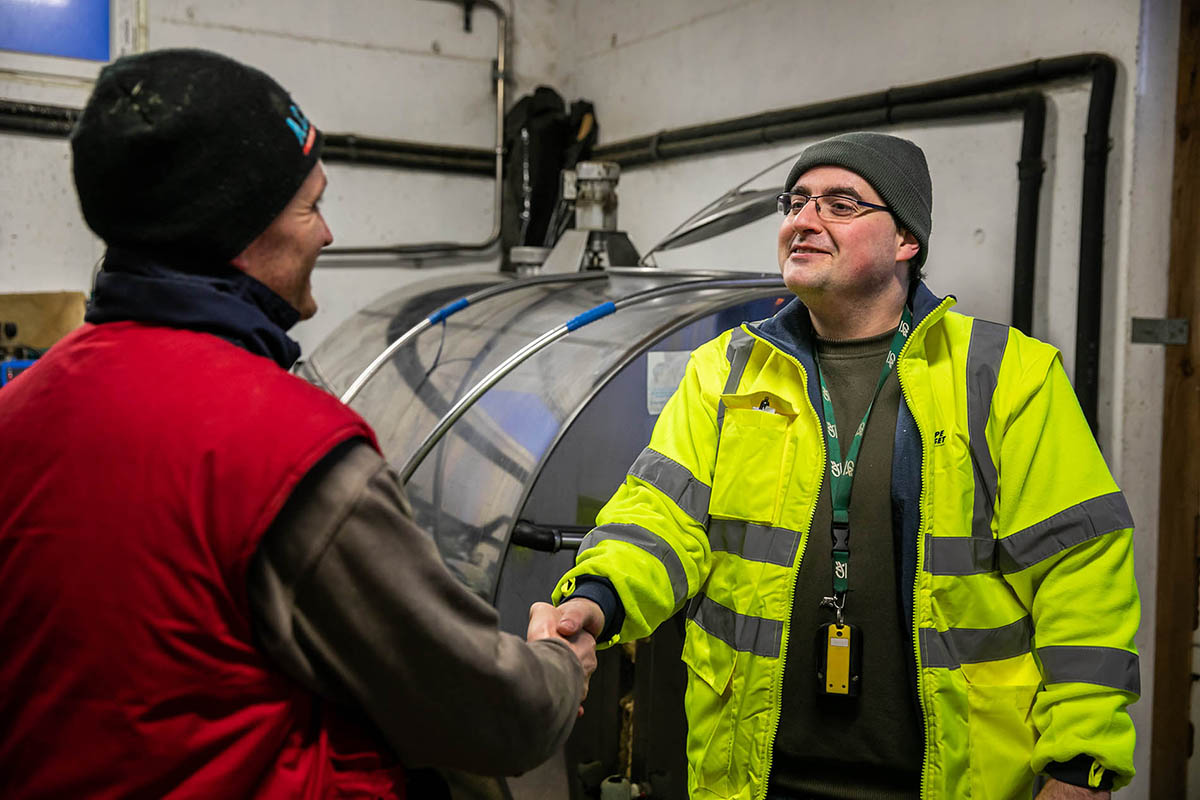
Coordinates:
830 207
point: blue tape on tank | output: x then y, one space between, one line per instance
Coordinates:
445 311
591 315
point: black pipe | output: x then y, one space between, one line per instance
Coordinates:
647 150
1030 167
843 114
352 149
988 81
37 118
1091 240
858 111
57 121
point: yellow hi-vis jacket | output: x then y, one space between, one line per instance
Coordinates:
1024 602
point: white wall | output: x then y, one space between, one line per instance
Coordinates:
399 70
406 70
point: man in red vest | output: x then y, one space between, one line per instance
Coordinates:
210 585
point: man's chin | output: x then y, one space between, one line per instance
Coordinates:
799 281
306 307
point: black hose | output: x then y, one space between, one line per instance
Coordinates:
547 538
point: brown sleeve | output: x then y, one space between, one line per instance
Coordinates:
352 599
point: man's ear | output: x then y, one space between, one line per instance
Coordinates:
907 246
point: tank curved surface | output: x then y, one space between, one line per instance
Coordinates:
469 490
546 445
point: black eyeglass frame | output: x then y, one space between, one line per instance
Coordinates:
785 205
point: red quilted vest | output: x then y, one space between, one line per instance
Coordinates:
140 467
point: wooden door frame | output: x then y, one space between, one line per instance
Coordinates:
1179 493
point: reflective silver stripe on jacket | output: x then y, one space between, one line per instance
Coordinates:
984 354
1067 528
754 542
952 648
675 481
652 543
755 635
1104 666
738 353
949 555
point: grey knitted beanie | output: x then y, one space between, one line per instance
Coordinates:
896 169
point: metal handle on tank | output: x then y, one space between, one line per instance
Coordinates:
604 309
450 310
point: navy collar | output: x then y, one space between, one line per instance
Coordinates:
791 328
222 301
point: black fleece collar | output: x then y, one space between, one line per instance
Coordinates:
222 301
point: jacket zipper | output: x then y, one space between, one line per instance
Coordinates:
920 557
791 595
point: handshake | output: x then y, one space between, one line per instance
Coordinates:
577 622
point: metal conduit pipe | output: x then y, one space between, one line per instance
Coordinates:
37 118
667 144
353 149
500 73
1030 168
451 309
854 112
465 402
57 121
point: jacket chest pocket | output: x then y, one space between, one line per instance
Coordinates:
752 456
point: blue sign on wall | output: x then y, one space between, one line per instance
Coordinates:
71 28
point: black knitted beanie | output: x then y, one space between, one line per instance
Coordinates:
893 166
188 153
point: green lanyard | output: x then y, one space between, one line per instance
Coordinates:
841 473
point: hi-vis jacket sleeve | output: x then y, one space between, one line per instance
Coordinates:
650 539
1067 552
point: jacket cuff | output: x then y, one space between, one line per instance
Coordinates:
601 592
1081 770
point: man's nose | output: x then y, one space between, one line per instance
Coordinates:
806 218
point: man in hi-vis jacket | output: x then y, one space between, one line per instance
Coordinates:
906 568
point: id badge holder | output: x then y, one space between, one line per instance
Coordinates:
839 660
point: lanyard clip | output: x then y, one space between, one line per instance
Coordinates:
841 536
837 603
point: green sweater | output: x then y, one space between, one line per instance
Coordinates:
870 746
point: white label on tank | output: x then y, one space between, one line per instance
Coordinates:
664 371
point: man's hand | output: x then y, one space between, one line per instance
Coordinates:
577 628
545 622
1057 790
579 613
